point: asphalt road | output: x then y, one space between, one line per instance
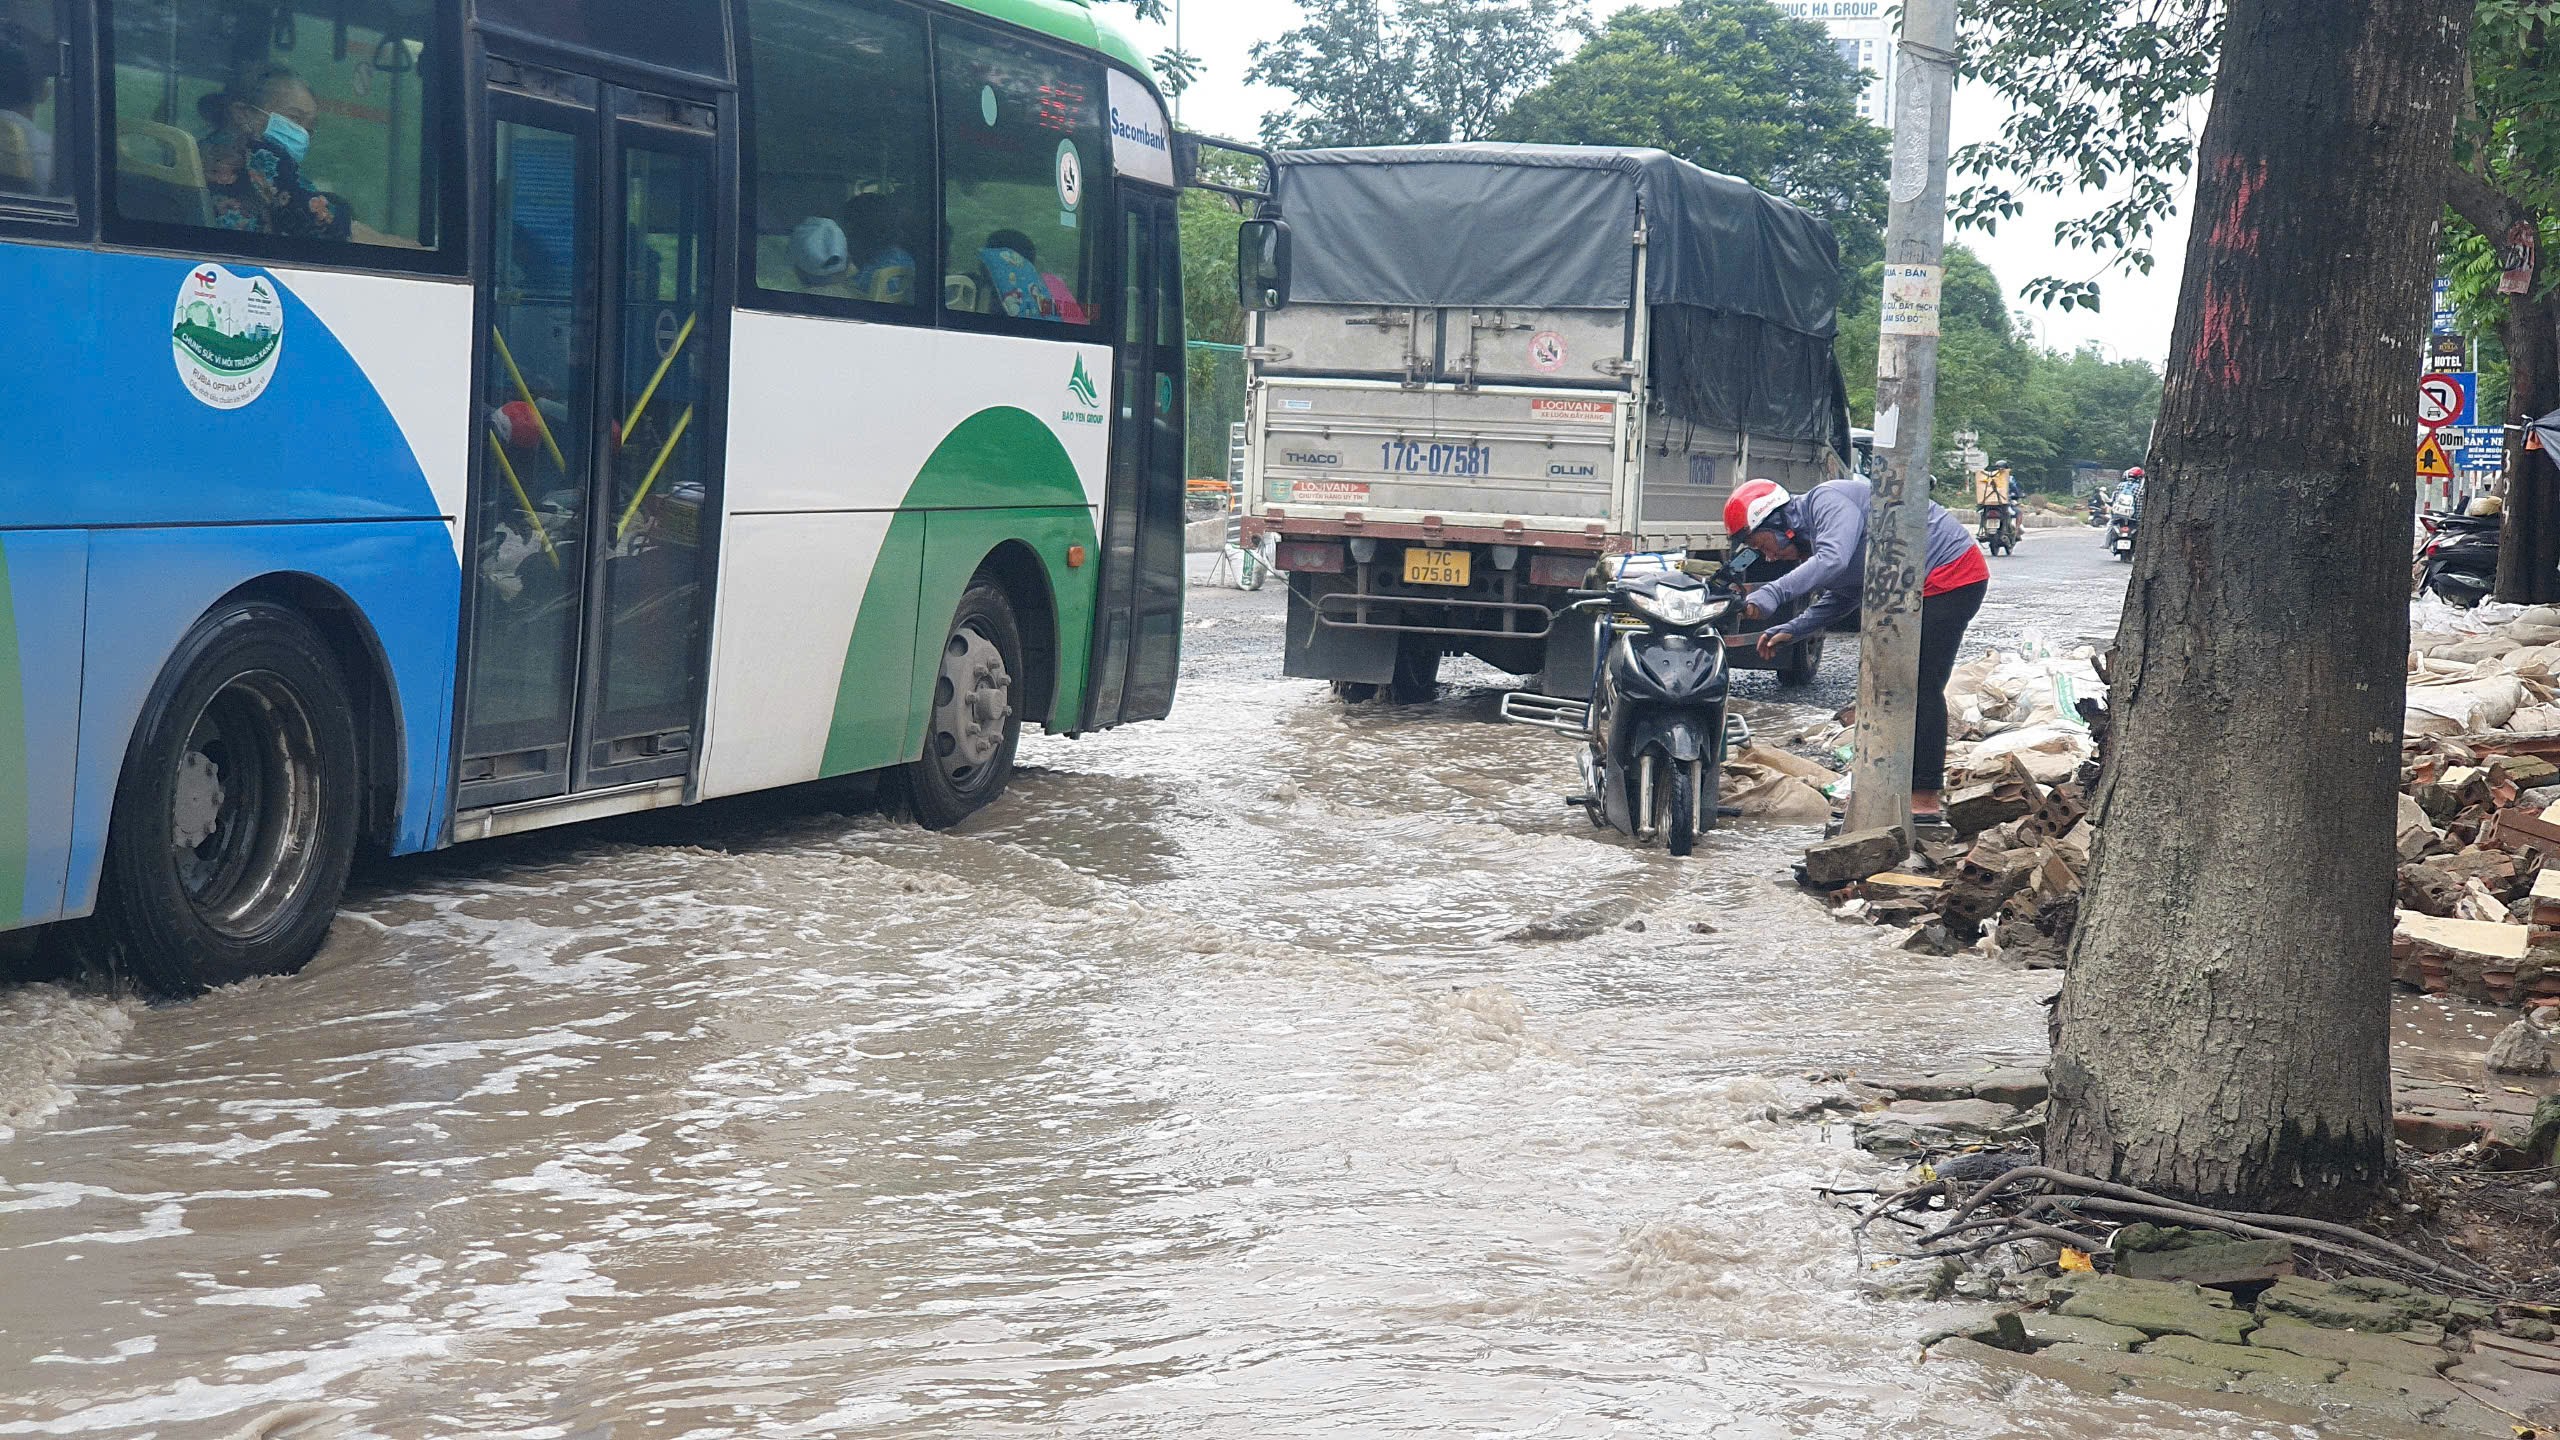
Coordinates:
2060 586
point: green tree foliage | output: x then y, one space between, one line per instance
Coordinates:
1408 72
2037 411
1737 87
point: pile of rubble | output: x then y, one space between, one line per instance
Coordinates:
2006 873
2479 902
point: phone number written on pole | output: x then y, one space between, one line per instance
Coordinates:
1412 457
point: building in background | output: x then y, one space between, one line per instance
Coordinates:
1863 31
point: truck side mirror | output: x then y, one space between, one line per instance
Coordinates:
1262 264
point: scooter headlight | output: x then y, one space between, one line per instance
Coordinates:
1682 606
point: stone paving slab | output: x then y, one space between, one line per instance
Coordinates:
2247 1359
2416 1352
2157 1307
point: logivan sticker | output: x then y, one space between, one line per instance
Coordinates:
1587 411
1328 492
227 334
1546 351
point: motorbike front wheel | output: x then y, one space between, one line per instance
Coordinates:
1680 826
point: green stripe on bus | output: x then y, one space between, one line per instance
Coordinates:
1000 477
14 838
1068 20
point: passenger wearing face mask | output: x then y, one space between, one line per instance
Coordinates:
253 160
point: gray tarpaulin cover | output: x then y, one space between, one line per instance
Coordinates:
1746 286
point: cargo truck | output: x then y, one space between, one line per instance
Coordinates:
1499 363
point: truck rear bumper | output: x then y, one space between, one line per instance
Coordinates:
1594 538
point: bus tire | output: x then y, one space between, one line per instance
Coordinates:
974 724
237 814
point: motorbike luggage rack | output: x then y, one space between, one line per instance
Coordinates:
1547 712
1330 607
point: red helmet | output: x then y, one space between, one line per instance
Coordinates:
1752 505
2134 474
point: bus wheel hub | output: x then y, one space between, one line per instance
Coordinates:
976 701
196 807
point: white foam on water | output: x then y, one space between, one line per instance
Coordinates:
47 1032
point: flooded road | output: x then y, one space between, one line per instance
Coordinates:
1281 1070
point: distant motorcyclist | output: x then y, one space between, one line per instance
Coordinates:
1826 530
1997 504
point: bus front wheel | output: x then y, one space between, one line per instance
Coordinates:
236 817
976 721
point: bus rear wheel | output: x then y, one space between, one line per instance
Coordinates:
976 721
236 817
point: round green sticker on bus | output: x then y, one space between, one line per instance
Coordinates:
227 334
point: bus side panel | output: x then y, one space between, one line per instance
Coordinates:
104 414
790 589
147 588
845 439
956 543
43 578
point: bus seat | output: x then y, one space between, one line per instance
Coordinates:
960 292
17 162
160 174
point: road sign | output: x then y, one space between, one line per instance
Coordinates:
2433 462
2445 319
2444 400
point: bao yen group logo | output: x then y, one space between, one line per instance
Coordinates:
227 335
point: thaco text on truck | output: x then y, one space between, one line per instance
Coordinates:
1499 363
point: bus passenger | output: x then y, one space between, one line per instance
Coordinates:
253 160
1020 287
877 227
26 148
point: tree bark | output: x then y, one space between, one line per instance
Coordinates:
2224 1030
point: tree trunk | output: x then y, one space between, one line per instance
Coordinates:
2529 540
2224 1022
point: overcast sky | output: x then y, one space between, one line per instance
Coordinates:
2133 319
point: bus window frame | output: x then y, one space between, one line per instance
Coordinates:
1103 181
73 216
752 294
446 137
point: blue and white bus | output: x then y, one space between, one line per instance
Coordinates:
427 422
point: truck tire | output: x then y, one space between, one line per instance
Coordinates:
1417 678
975 724
237 812
1354 692
1799 663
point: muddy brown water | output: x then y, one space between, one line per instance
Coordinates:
1275 1071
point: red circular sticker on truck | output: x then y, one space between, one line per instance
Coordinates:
1546 351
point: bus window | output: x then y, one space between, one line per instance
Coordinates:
686 35
1022 158
843 161
307 120
31 105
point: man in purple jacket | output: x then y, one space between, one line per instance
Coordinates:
1825 530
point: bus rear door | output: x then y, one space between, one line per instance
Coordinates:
598 454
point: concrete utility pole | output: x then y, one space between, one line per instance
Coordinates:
1915 246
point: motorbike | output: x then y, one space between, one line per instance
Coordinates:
1998 531
2097 507
2124 518
1654 732
2457 557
